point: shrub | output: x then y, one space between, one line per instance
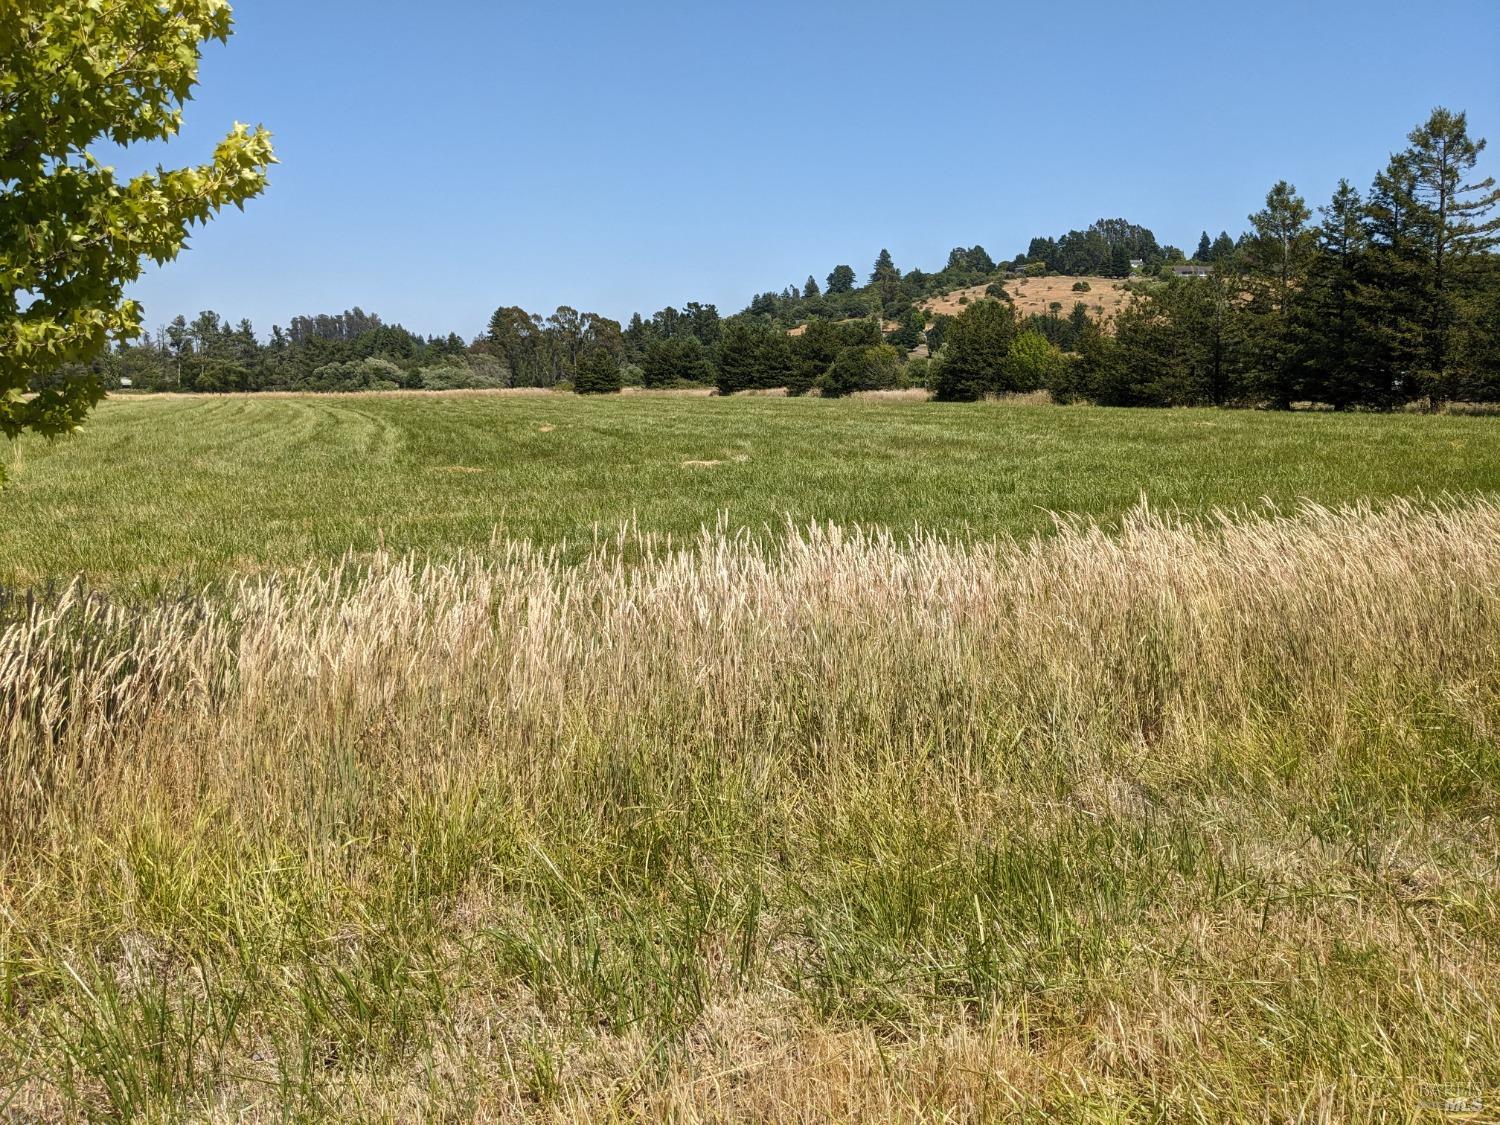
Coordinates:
1033 362
372 374
1081 286
871 368
488 367
454 377
1066 384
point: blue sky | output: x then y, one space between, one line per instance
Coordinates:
445 157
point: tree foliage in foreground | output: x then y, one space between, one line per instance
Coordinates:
74 75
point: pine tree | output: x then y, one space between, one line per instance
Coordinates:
1453 226
1478 343
1394 286
1181 345
1327 332
812 353
752 355
598 372
680 359
978 343
1275 259
810 289
1205 249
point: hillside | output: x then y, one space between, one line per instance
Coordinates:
1035 296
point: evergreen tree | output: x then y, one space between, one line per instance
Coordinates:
1181 345
1044 251
1275 259
1477 353
810 289
638 333
978 344
860 367
1327 334
886 279
1393 284
841 280
598 372
516 336
1452 226
752 355
813 352
1222 249
674 361
703 322
1205 249
1078 324
910 332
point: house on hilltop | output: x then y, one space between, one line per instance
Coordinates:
1192 269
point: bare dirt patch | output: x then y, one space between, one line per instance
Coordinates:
1105 297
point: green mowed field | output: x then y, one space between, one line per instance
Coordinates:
197 488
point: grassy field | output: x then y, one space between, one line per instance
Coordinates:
1147 818
158 489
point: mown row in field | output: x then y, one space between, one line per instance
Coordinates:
169 491
1184 822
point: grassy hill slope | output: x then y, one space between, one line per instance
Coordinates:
1105 297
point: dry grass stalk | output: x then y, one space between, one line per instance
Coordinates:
1193 820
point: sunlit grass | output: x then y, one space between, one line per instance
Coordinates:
1172 822
163 492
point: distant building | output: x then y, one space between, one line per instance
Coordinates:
1192 269
124 382
1137 263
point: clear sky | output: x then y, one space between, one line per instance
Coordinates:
445 157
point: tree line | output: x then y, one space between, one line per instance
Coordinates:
1379 299
1386 297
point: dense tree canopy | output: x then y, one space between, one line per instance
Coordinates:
977 347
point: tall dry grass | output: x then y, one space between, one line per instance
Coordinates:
1185 821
